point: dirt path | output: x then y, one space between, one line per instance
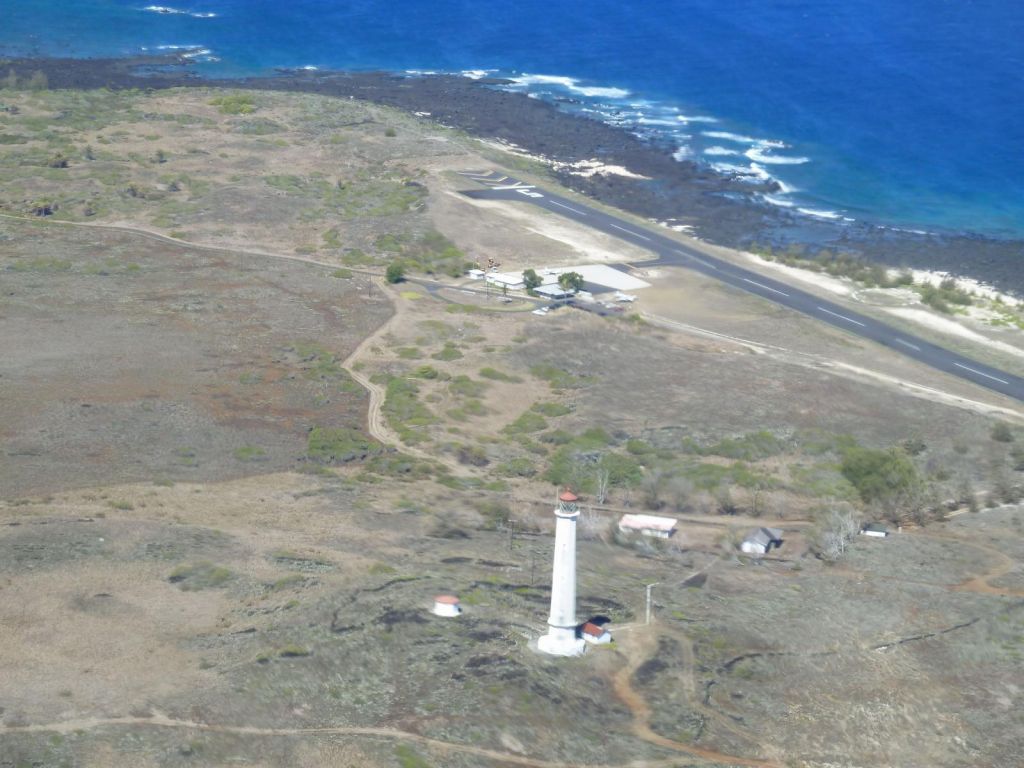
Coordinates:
622 685
151 235
980 582
376 424
159 720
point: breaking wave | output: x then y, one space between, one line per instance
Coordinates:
571 84
168 11
760 156
738 155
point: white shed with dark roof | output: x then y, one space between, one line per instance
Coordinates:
877 530
761 540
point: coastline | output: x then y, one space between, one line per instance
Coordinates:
649 181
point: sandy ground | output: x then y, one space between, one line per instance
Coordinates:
697 301
951 327
563 242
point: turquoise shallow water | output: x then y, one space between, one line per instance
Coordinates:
909 114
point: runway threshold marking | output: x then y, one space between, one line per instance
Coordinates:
980 373
908 344
630 231
567 207
842 317
766 287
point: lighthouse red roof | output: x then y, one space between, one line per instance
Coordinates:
568 496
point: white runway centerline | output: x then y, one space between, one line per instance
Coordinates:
567 207
694 258
630 231
908 344
842 317
766 287
980 373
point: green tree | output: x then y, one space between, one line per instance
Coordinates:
395 272
883 477
531 279
570 281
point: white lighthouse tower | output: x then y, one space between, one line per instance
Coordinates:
561 639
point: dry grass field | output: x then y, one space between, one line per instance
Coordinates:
126 358
237 466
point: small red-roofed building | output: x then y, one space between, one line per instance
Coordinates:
594 634
447 606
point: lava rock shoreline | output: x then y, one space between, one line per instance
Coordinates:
719 209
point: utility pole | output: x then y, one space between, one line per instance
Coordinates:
649 588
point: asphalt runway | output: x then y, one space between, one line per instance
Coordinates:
668 252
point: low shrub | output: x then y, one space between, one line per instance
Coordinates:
198 576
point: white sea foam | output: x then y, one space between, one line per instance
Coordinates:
602 93
177 11
696 119
752 172
730 168
565 82
195 52
570 84
727 136
658 121
310 68
476 74
757 154
820 214
200 54
683 153
720 151
739 138
775 200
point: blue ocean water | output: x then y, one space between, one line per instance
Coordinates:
908 113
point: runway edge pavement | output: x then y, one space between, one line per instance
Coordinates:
672 253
